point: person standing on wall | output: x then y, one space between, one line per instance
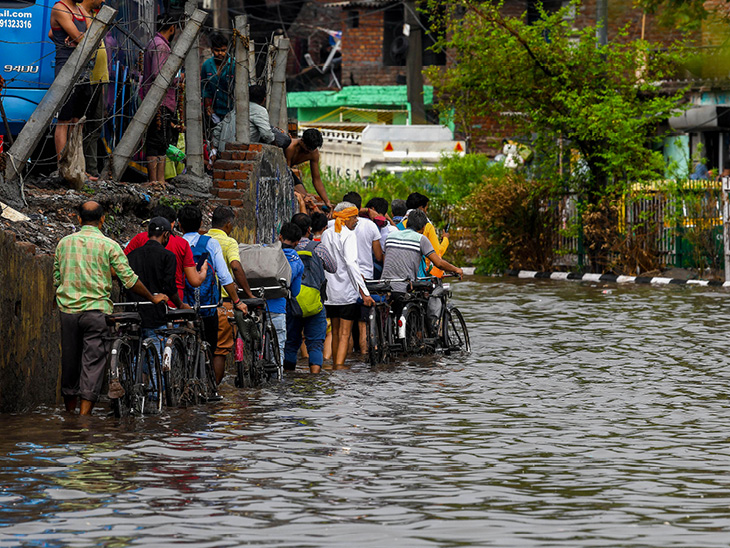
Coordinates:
82 274
163 131
96 112
68 25
216 77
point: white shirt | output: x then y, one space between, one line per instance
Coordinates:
343 286
366 232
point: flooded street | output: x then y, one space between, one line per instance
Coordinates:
587 415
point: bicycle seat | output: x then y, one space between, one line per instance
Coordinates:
123 317
254 303
378 287
180 314
421 284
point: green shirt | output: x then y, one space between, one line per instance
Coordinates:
82 271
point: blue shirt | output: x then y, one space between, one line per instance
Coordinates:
218 88
278 306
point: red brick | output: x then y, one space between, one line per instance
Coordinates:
222 183
252 155
219 202
227 194
226 165
235 175
257 148
228 155
236 146
236 203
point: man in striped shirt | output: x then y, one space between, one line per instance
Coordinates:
404 249
82 273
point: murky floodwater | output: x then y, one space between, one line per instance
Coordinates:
586 416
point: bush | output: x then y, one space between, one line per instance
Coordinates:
514 223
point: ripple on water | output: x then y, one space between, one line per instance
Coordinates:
582 418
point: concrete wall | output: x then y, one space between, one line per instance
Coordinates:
30 341
255 180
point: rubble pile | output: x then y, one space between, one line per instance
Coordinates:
52 207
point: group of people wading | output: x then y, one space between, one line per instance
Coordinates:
352 245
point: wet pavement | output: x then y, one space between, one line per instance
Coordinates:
587 415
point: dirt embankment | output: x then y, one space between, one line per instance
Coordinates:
52 208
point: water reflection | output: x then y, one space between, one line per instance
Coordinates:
587 415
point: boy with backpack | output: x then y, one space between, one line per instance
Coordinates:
289 236
313 321
207 249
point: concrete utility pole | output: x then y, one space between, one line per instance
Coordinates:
243 129
278 84
152 101
220 14
59 91
193 113
414 64
601 22
269 70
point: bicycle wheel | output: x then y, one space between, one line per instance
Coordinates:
456 333
413 327
176 370
375 337
121 368
150 395
272 359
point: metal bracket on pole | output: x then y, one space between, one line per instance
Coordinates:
152 101
278 84
243 129
59 91
193 112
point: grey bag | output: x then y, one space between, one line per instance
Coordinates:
265 265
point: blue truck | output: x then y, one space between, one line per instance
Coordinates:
27 58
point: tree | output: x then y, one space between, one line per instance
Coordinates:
558 84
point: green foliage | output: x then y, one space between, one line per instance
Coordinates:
447 184
174 202
686 15
601 101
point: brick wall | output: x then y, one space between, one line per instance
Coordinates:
362 53
232 173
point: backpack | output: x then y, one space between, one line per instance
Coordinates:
313 280
265 265
208 292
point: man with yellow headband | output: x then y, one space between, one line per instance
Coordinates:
345 286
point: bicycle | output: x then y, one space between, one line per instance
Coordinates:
135 376
453 335
380 326
417 330
187 359
260 360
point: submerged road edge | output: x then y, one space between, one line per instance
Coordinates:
612 278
